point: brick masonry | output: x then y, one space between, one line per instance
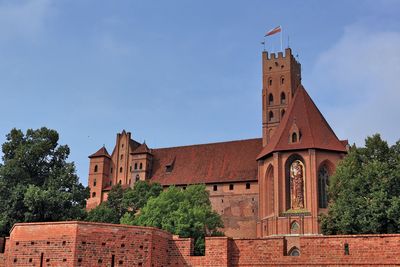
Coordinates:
96 244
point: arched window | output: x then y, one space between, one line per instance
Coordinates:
295 171
94 194
120 182
282 80
120 169
135 166
294 252
283 98
294 228
94 182
294 137
137 177
270 81
95 168
271 99
270 191
323 182
282 113
121 157
271 116
140 165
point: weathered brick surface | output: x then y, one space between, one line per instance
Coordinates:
96 244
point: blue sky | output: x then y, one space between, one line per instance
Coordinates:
187 72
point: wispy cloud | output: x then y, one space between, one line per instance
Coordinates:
24 19
362 73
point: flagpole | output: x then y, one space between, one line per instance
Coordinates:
281 39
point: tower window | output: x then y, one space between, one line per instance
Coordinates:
282 80
271 99
111 170
120 169
95 168
121 157
94 194
271 116
94 182
135 166
231 187
283 98
247 185
215 187
270 82
140 165
282 113
137 177
294 137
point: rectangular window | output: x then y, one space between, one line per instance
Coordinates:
215 187
231 187
247 185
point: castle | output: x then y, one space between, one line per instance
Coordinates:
274 185
269 192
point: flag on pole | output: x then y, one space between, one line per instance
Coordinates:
273 31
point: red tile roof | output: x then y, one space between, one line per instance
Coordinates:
142 149
102 152
315 131
208 163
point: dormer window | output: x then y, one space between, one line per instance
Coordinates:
294 137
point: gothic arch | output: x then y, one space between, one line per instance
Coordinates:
294 251
325 170
291 159
269 190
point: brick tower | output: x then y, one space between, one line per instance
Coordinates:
281 77
300 152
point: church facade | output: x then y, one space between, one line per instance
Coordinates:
274 185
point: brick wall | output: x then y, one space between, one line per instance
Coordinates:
96 244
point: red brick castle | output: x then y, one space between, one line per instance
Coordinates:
269 192
274 185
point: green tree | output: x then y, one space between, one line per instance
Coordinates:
187 213
365 191
121 205
36 181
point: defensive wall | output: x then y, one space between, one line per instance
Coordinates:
97 244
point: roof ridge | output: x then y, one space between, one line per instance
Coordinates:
213 143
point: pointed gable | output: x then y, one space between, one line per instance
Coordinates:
102 152
303 127
142 149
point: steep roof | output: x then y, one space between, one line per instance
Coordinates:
142 149
102 152
315 131
208 163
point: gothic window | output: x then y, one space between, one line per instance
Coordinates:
135 166
323 177
283 98
140 166
294 137
282 113
270 191
270 99
94 182
282 80
120 182
121 157
271 116
95 168
120 169
94 194
295 228
294 252
111 170
270 82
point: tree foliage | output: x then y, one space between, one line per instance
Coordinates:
187 213
124 203
365 191
36 181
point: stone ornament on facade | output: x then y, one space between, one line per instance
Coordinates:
297 185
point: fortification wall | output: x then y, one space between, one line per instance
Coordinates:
95 244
